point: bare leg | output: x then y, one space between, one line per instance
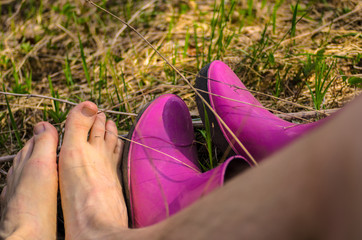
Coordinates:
29 201
311 189
91 193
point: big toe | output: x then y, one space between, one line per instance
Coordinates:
79 122
45 141
41 161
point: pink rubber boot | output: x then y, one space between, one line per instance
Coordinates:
261 132
161 173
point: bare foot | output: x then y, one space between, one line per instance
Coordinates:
29 201
91 194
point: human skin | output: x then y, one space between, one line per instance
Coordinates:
311 189
90 189
29 201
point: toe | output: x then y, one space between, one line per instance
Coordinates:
45 141
43 156
79 122
111 135
41 163
3 196
117 154
119 147
97 133
9 175
18 157
9 179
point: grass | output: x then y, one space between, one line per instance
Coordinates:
68 73
260 40
14 126
274 15
56 114
322 77
206 134
84 64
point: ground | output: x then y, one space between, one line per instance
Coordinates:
307 52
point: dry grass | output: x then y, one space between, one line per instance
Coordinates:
37 36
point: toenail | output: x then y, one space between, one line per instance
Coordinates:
88 112
39 128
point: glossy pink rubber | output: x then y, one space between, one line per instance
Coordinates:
160 167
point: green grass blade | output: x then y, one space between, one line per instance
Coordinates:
332 66
250 8
196 46
68 72
186 47
54 94
208 138
313 96
263 3
294 20
84 62
13 123
214 21
274 15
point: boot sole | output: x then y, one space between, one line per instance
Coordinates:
124 164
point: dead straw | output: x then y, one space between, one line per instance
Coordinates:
183 77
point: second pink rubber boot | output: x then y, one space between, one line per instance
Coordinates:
161 173
261 132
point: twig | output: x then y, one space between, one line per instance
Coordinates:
246 103
16 12
198 124
286 116
134 16
38 96
252 91
63 101
67 32
3 2
306 114
182 76
7 158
